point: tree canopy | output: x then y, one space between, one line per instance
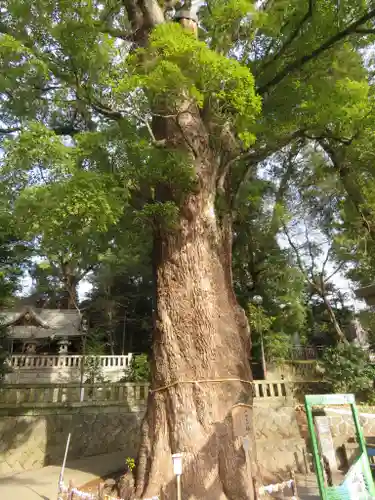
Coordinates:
139 146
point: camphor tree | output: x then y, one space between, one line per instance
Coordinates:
111 110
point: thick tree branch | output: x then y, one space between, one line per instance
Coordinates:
335 271
114 32
352 29
311 253
292 36
10 130
325 262
255 156
152 12
143 15
297 254
60 130
105 111
134 15
364 31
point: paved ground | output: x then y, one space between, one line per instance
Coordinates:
42 483
307 487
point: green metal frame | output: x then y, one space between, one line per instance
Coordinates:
338 492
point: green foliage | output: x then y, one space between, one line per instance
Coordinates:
4 366
93 371
262 268
120 304
159 214
86 179
94 346
222 19
10 268
259 320
58 201
139 369
130 463
346 369
179 65
14 256
277 346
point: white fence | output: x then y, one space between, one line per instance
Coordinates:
46 369
40 395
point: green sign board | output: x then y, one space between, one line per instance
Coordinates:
358 483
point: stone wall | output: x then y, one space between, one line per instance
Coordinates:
280 445
341 421
342 429
296 371
31 439
35 422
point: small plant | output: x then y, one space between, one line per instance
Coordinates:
130 463
94 347
93 370
277 346
139 369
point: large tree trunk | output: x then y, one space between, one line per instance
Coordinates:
201 343
201 351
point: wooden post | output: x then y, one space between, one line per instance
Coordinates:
256 488
61 476
70 491
101 491
179 492
294 484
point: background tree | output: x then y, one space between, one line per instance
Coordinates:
121 301
13 260
307 254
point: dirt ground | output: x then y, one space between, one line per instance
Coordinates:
110 484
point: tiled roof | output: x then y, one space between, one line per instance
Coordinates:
41 323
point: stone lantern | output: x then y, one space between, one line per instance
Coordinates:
63 346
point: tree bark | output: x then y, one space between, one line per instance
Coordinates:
200 363
71 284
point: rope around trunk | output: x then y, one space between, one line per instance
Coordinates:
213 380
